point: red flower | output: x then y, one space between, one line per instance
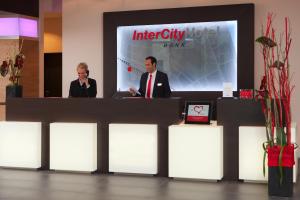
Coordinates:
4 68
13 67
19 61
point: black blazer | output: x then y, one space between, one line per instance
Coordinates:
161 86
76 90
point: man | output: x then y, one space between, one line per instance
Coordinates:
153 83
83 86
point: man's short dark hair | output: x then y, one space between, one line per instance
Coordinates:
153 59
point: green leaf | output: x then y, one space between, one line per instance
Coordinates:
264 163
280 165
281 138
277 64
266 41
265 144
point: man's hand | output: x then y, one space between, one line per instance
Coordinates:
133 91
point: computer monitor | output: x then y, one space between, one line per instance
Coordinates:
198 112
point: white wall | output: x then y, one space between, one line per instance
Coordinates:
83 34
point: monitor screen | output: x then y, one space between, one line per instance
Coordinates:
197 112
196 56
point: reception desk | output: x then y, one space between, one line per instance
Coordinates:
232 113
162 112
133 148
20 144
73 146
196 151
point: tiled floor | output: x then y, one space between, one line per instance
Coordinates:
44 185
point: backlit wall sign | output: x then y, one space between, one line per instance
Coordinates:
15 27
196 56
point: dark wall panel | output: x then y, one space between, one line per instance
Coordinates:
53 75
24 7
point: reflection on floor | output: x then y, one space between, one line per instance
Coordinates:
44 185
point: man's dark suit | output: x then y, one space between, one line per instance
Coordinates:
76 90
161 86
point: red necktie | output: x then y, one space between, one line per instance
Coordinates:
149 87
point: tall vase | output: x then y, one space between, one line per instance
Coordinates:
281 183
283 189
14 91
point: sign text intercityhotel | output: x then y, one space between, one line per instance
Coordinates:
173 34
163 34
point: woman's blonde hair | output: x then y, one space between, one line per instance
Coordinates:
82 65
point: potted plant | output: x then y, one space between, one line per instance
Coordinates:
13 67
275 95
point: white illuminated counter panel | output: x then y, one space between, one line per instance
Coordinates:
196 151
73 146
133 148
20 144
251 153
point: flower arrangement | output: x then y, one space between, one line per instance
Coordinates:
13 67
275 96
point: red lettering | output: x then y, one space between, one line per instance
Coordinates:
171 34
139 36
151 35
175 34
163 36
180 35
145 35
134 35
157 34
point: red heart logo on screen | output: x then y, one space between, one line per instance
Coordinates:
198 109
